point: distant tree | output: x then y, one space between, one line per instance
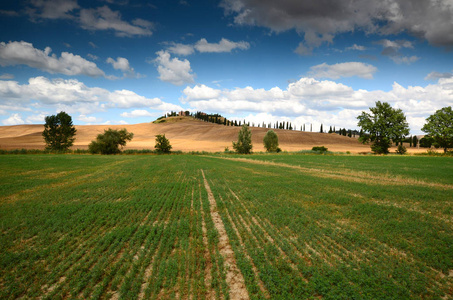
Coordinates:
244 142
110 141
439 127
59 132
415 141
330 129
383 125
426 141
162 144
311 127
270 141
320 129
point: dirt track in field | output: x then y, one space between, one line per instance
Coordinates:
185 134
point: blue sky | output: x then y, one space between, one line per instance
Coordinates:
308 62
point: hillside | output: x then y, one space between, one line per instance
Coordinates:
185 134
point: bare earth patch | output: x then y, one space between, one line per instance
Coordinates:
234 277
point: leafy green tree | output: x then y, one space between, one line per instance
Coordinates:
439 127
59 132
162 144
244 143
383 125
109 141
270 141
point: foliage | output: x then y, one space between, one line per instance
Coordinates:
270 141
162 144
439 127
320 149
244 142
383 125
401 149
426 141
414 141
59 132
109 141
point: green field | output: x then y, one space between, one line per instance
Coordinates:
196 227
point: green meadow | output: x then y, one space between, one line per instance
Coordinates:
222 226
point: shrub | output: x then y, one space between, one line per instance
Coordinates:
320 149
401 149
244 143
109 141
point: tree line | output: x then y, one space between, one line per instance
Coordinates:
381 127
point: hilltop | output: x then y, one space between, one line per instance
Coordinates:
185 134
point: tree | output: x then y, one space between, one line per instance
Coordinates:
244 143
59 132
321 130
415 141
109 141
439 127
162 144
270 141
383 125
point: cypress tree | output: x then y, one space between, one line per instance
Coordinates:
321 130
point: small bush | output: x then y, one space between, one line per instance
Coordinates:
320 149
401 149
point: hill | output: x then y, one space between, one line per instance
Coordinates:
185 134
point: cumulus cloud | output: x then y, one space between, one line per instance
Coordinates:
23 53
14 119
347 69
203 46
103 18
313 101
122 64
74 96
181 49
321 20
223 46
173 70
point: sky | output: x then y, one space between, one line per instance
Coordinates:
306 62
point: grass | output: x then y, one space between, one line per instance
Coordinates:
300 226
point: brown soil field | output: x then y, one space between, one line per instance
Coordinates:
186 134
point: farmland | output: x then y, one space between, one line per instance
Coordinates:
196 227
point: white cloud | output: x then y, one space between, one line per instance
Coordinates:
223 46
138 113
14 119
73 96
55 9
87 119
122 64
356 47
92 56
312 101
23 53
7 76
93 45
431 20
103 18
302 49
36 118
173 70
347 69
181 49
